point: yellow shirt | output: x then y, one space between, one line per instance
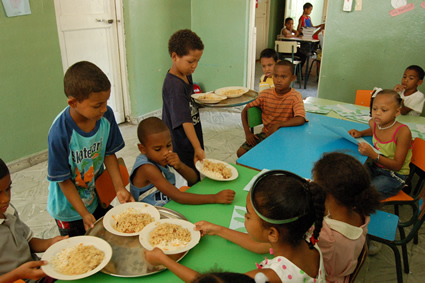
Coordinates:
266 82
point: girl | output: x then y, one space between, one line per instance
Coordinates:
281 208
350 199
389 169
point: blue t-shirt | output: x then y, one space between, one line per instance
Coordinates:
77 155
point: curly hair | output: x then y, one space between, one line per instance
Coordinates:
285 196
183 41
348 181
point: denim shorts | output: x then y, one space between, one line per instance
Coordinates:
387 182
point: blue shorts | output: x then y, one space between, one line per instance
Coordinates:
387 182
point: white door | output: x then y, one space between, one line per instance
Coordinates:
88 31
262 26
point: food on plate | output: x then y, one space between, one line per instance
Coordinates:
209 96
231 92
131 220
217 169
169 237
77 259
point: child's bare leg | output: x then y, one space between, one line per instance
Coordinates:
241 151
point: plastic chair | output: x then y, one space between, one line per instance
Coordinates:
360 261
363 97
291 48
254 117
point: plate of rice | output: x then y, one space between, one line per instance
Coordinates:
208 97
128 219
76 257
172 236
232 91
217 170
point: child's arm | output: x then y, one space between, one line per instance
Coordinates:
157 257
357 134
296 121
38 245
241 239
188 173
28 270
251 139
300 25
111 163
191 135
150 173
404 109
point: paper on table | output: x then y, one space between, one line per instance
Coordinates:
238 219
249 185
315 108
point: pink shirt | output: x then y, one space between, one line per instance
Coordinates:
341 245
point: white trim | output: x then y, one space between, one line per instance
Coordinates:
252 35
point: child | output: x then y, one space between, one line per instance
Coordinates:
413 99
281 208
268 58
288 30
281 106
305 20
350 199
18 246
390 168
82 137
152 180
179 111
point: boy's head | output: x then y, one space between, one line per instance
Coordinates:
283 76
185 48
5 184
307 8
412 77
289 24
155 139
268 58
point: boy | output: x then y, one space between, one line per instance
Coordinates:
288 30
305 20
82 137
152 180
281 106
179 111
17 258
268 58
413 99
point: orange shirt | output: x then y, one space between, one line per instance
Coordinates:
278 108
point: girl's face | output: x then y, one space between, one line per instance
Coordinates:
253 223
384 110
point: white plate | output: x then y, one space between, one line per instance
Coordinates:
215 98
74 241
200 166
221 91
145 235
143 207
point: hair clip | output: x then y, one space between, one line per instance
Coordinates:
313 240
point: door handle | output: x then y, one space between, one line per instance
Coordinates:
111 21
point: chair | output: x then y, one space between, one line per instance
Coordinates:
291 48
363 97
318 61
360 261
254 117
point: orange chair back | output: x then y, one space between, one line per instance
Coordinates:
363 97
418 153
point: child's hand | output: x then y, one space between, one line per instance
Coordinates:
399 88
272 129
366 149
354 133
124 196
251 139
199 155
206 228
89 221
31 270
225 196
173 160
155 256
57 239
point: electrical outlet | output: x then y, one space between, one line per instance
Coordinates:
348 5
358 6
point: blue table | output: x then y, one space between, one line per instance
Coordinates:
297 148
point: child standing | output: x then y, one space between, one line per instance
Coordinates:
281 106
82 137
18 246
389 169
305 20
350 199
281 208
268 58
152 180
413 99
179 111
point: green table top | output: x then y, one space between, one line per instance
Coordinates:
212 251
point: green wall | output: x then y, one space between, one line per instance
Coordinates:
369 48
30 80
277 19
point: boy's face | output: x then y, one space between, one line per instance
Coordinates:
157 146
290 25
282 78
187 64
308 11
410 80
93 107
5 185
267 64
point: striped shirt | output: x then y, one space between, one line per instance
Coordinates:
277 108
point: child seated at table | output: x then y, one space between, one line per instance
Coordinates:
18 246
152 179
289 31
389 168
268 58
281 106
413 99
350 199
281 208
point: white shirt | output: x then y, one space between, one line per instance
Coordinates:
415 101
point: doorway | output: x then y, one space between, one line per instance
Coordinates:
93 31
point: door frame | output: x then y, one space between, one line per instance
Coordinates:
252 37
